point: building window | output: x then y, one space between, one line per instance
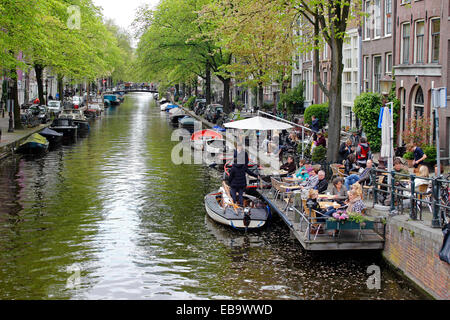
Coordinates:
376 73
388 17
420 31
367 18
377 15
405 43
348 86
325 51
366 74
389 62
435 38
418 103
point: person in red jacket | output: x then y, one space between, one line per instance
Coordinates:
363 152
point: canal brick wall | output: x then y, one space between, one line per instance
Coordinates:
413 248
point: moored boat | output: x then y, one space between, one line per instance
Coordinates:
65 126
54 138
253 215
35 144
200 139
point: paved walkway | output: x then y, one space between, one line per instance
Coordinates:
8 140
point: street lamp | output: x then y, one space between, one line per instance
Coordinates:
46 91
386 85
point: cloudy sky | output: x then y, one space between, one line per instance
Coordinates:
122 11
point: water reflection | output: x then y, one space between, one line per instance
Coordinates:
115 205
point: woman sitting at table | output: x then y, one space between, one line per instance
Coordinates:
290 166
354 204
350 164
339 191
302 172
356 187
424 173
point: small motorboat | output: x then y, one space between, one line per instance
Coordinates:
170 107
65 126
78 118
200 138
187 122
253 215
53 137
164 105
35 144
176 114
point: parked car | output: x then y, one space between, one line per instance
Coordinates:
213 112
54 107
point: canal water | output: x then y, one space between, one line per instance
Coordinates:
111 217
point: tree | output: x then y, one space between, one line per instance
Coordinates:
174 49
328 23
259 35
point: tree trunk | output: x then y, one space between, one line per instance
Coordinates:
208 84
260 99
15 92
335 102
226 95
60 88
39 72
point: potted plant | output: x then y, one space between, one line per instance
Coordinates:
409 156
348 221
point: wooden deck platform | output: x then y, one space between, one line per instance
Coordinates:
347 240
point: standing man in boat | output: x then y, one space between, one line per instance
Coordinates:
238 178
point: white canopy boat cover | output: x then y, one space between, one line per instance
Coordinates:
258 123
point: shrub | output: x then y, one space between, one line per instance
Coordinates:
431 153
190 103
318 110
408 156
417 132
319 154
294 100
367 109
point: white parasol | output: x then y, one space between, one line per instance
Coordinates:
258 123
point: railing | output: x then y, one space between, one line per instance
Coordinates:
403 187
303 128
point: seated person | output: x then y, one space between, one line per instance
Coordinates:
345 150
339 191
423 173
302 172
321 141
322 183
361 178
354 204
225 189
290 166
311 181
350 164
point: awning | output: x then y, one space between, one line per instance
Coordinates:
258 123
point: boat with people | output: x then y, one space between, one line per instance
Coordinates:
253 215
34 144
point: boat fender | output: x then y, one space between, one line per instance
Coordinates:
247 217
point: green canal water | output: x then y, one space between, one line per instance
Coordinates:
111 217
